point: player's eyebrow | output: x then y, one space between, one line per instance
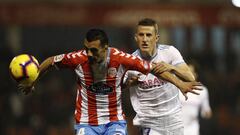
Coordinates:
91 49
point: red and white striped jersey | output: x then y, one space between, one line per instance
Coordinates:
99 92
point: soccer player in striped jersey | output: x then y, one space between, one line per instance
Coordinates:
156 101
99 69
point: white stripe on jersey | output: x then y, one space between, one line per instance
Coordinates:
84 107
102 106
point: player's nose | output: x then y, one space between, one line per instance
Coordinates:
89 54
144 38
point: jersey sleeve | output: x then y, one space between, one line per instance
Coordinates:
134 63
175 56
205 106
131 62
69 60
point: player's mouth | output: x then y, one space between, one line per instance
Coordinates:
145 46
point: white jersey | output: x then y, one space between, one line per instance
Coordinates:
191 108
156 101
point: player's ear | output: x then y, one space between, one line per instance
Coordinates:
106 47
85 42
135 37
157 37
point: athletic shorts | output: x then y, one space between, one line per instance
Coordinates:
150 131
111 128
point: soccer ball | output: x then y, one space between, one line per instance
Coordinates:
24 69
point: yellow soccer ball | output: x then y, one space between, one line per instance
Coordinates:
24 68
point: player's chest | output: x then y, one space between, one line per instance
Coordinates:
97 72
161 58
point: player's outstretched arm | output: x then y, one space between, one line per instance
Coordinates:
181 70
43 68
184 87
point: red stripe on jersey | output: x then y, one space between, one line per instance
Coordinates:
92 109
91 97
78 105
112 97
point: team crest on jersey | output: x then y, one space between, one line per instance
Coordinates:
112 72
58 58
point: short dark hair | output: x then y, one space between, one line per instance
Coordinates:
97 34
149 22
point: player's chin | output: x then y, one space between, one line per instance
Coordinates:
144 49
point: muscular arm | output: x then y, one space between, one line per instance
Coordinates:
44 67
181 70
184 87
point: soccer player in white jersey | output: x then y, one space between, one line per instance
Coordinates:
156 101
192 107
99 70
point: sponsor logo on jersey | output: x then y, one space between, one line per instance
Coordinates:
112 72
151 83
58 58
100 88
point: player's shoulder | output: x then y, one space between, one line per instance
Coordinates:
76 54
204 89
119 55
136 53
79 56
75 57
165 47
116 52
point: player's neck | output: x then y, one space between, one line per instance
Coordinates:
148 55
103 60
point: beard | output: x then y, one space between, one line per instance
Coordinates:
92 59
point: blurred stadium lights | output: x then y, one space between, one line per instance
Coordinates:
236 3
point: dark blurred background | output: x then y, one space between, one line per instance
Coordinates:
207 31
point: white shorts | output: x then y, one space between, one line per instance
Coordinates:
150 131
192 129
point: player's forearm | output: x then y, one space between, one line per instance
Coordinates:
171 78
45 66
186 75
183 73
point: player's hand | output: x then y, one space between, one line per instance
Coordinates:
132 81
161 67
26 89
192 87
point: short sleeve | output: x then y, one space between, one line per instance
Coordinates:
205 106
131 62
69 60
175 56
134 63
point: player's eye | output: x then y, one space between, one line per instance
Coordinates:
149 35
93 50
141 34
